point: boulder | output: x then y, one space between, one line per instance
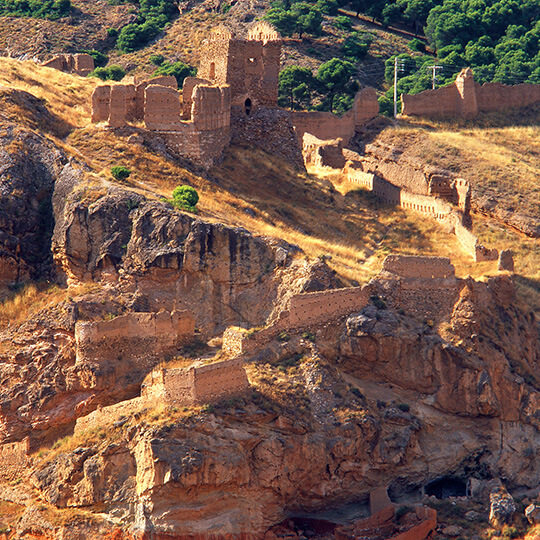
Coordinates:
502 509
532 513
506 261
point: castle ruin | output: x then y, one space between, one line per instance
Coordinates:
233 98
78 64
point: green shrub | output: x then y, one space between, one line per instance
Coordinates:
177 69
157 59
417 45
112 32
120 172
42 9
111 73
100 59
184 198
404 407
343 23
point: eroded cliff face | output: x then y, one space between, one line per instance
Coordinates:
379 398
171 260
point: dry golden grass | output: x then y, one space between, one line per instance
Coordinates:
66 96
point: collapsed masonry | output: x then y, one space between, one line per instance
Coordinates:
467 98
402 181
140 337
234 98
78 64
422 286
14 459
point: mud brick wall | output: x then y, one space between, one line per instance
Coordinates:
309 308
197 383
466 98
497 96
117 106
325 125
108 415
469 242
318 153
162 108
432 206
211 108
14 460
80 64
133 336
187 91
136 110
413 266
250 66
204 146
101 98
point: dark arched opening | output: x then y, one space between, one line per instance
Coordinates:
446 487
247 106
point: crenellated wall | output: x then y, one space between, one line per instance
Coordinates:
133 336
466 98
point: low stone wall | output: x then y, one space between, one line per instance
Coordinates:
196 384
14 459
323 154
133 336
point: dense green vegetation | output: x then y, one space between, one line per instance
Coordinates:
110 73
152 18
176 69
44 9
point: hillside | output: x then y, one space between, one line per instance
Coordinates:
357 378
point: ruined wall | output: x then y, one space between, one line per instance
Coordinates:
469 242
79 64
197 383
107 415
187 91
250 66
411 266
134 335
431 206
421 286
162 108
325 125
323 154
465 98
14 459
497 96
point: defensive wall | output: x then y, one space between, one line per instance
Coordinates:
79 64
197 383
466 98
14 459
326 125
134 336
305 309
403 182
192 385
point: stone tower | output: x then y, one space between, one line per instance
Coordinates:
249 66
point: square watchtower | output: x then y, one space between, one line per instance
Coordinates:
249 66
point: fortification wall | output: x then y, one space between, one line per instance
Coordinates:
469 242
107 415
79 64
412 266
323 154
162 108
466 98
211 107
421 286
187 91
14 459
497 96
431 206
197 383
133 336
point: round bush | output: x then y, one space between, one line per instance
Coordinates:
185 194
120 172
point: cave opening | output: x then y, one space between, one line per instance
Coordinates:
446 487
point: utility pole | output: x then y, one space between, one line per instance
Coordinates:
395 85
434 70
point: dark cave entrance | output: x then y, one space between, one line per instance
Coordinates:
247 106
446 487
